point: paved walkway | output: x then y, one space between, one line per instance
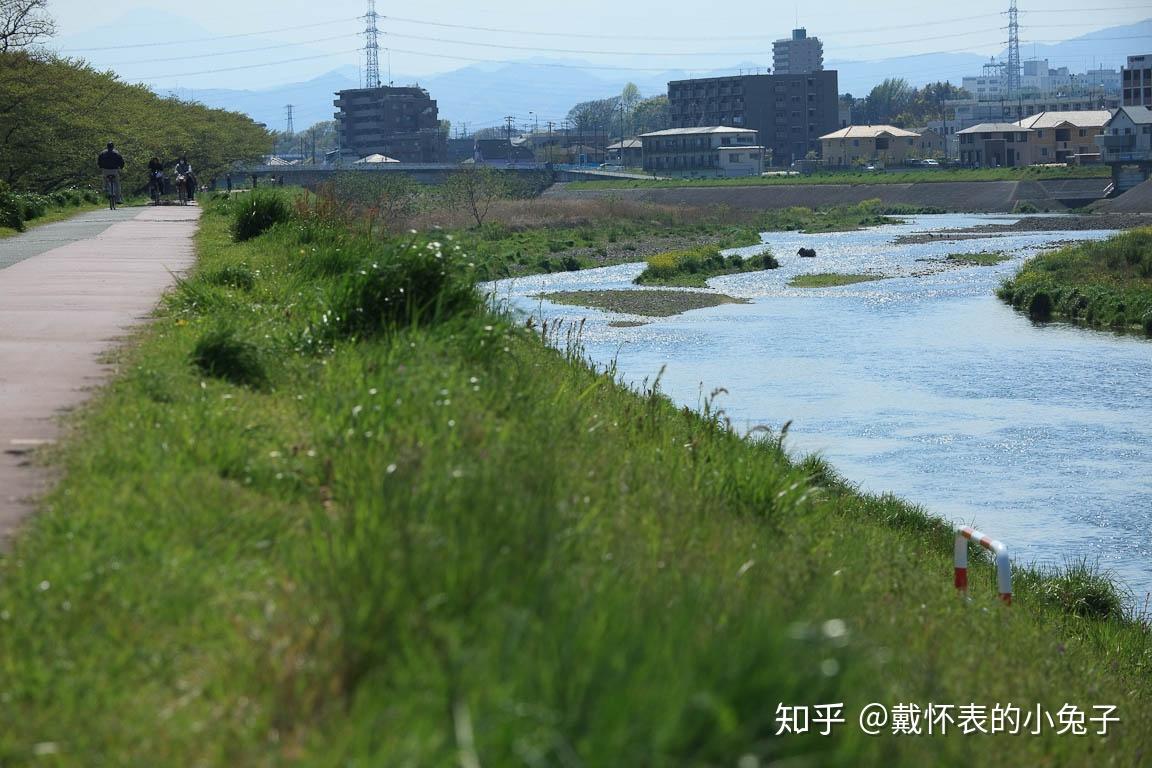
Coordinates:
68 292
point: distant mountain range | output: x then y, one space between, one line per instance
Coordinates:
532 91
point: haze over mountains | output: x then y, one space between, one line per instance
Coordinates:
532 90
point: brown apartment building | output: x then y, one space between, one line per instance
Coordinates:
402 123
789 112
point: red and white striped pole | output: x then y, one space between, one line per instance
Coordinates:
1003 565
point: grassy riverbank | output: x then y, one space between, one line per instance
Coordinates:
1105 284
319 520
20 211
903 176
543 234
830 280
692 268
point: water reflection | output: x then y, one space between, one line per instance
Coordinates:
924 385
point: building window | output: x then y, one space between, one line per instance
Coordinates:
733 157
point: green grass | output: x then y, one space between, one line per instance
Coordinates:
980 259
1105 284
54 215
501 250
648 303
693 267
445 543
910 176
830 280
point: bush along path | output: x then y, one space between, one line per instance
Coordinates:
1105 284
336 510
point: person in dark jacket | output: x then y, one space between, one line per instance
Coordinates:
155 179
110 162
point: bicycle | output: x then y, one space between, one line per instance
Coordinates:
112 188
182 188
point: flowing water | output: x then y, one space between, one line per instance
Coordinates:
924 385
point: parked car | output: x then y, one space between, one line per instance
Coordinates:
930 163
611 167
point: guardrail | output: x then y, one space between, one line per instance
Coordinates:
964 534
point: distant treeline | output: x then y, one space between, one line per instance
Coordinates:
56 115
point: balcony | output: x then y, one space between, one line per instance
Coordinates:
1111 143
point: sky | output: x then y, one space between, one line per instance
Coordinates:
253 43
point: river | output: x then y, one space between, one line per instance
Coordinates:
924 385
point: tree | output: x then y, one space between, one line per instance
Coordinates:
594 118
475 188
24 23
651 115
55 115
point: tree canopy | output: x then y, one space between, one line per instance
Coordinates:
895 102
57 114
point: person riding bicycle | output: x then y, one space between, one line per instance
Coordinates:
184 168
155 179
111 163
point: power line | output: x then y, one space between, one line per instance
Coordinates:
697 38
251 66
231 53
209 39
669 54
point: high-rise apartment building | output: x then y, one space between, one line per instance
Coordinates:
789 112
797 55
401 123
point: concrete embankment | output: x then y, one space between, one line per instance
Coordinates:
1136 200
960 196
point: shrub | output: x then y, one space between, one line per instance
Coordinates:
1040 306
219 353
402 284
234 276
1083 590
33 206
11 212
255 213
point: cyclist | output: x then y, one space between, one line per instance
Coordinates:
155 179
111 163
184 168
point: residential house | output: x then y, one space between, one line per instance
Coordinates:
1126 145
932 143
788 112
859 144
1063 137
970 112
994 145
703 151
501 151
629 152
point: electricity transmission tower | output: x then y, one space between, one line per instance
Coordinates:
372 77
1013 51
291 128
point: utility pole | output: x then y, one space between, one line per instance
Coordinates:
508 119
